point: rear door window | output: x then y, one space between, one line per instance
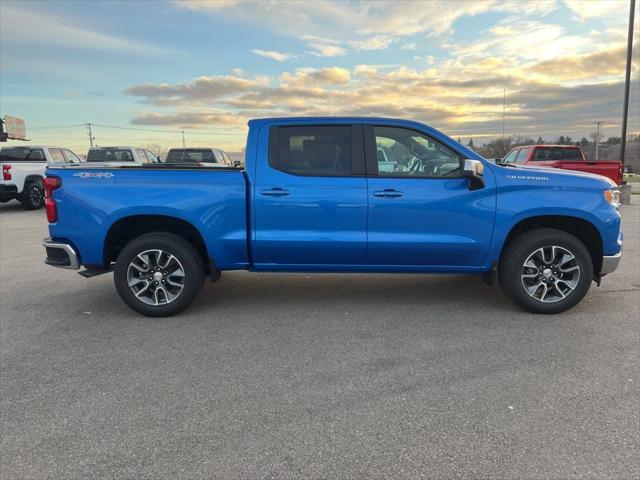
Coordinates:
151 157
191 156
56 155
71 157
110 155
313 150
571 154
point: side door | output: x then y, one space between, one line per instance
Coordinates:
310 197
422 215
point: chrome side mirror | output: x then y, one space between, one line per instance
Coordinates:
474 171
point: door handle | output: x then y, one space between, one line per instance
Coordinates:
275 192
388 193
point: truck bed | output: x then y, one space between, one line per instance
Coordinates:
93 198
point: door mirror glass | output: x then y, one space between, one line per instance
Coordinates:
474 171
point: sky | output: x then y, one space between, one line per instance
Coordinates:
143 71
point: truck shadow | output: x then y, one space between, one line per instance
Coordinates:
13 206
349 292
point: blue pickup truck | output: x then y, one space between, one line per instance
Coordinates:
335 195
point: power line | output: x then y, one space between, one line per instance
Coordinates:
194 132
47 127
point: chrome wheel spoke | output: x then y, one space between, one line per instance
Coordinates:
156 277
550 274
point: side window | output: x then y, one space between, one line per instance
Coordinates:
542 154
36 156
141 156
571 154
56 155
313 150
227 160
71 157
407 153
219 157
151 157
523 154
511 157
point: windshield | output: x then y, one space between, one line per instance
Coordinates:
111 155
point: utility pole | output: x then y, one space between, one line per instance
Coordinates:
183 144
504 109
627 81
597 139
91 138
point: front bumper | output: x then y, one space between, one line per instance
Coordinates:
610 263
61 255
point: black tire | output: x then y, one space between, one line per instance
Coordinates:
512 266
32 196
188 258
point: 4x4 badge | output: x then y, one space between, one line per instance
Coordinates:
93 174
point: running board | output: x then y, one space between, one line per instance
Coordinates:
93 272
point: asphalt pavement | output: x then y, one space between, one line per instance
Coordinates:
313 376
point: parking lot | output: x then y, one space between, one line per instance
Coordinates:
314 376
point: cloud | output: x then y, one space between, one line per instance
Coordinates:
586 9
548 98
360 25
50 30
198 90
317 76
277 56
188 119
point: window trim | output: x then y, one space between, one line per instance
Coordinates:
358 168
371 155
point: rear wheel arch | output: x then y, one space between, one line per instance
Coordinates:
580 228
129 228
33 179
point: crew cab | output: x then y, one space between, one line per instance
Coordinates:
313 197
23 172
197 155
121 155
567 157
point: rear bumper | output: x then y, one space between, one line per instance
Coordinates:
610 263
61 255
8 192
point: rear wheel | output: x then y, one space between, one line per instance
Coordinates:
32 197
546 270
158 274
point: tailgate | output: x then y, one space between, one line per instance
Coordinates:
612 170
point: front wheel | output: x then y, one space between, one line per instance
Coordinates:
158 274
545 270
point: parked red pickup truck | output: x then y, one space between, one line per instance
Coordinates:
568 157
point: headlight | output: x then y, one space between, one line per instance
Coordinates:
613 197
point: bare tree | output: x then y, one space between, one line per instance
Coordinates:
154 147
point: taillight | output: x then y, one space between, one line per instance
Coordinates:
6 172
50 184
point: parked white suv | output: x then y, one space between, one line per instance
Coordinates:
23 172
121 156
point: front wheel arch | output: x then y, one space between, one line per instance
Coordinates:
583 230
